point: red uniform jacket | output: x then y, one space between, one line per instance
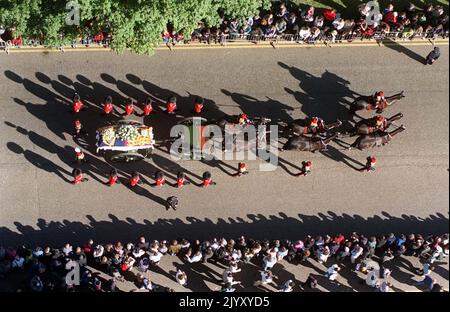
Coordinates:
134 181
77 106
108 108
207 182
112 180
180 182
198 108
148 109
129 109
171 107
78 179
160 182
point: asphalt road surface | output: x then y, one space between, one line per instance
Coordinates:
407 193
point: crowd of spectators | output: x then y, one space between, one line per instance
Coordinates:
45 268
308 24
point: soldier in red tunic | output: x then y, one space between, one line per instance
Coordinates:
242 169
370 164
77 104
181 179
108 107
379 102
113 178
129 107
79 129
207 180
198 104
171 105
160 180
306 168
77 175
148 108
79 156
135 179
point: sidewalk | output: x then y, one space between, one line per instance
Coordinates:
242 45
206 277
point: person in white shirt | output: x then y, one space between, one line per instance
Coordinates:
197 257
332 272
98 251
234 268
266 278
269 262
155 257
138 252
67 249
288 286
181 277
356 252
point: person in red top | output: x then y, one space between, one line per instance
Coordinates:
198 105
380 123
391 17
379 102
181 179
77 104
329 15
306 168
108 107
339 239
160 180
370 164
129 107
77 175
113 178
207 179
171 105
315 126
242 169
148 108
135 179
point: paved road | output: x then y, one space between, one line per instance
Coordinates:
408 192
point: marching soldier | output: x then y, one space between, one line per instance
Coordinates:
242 169
148 108
113 177
198 104
77 104
79 156
181 179
207 179
370 164
77 175
79 129
135 179
129 107
108 106
306 168
171 105
159 178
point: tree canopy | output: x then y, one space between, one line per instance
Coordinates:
133 24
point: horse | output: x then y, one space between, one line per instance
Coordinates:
366 102
376 139
363 127
297 126
309 144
